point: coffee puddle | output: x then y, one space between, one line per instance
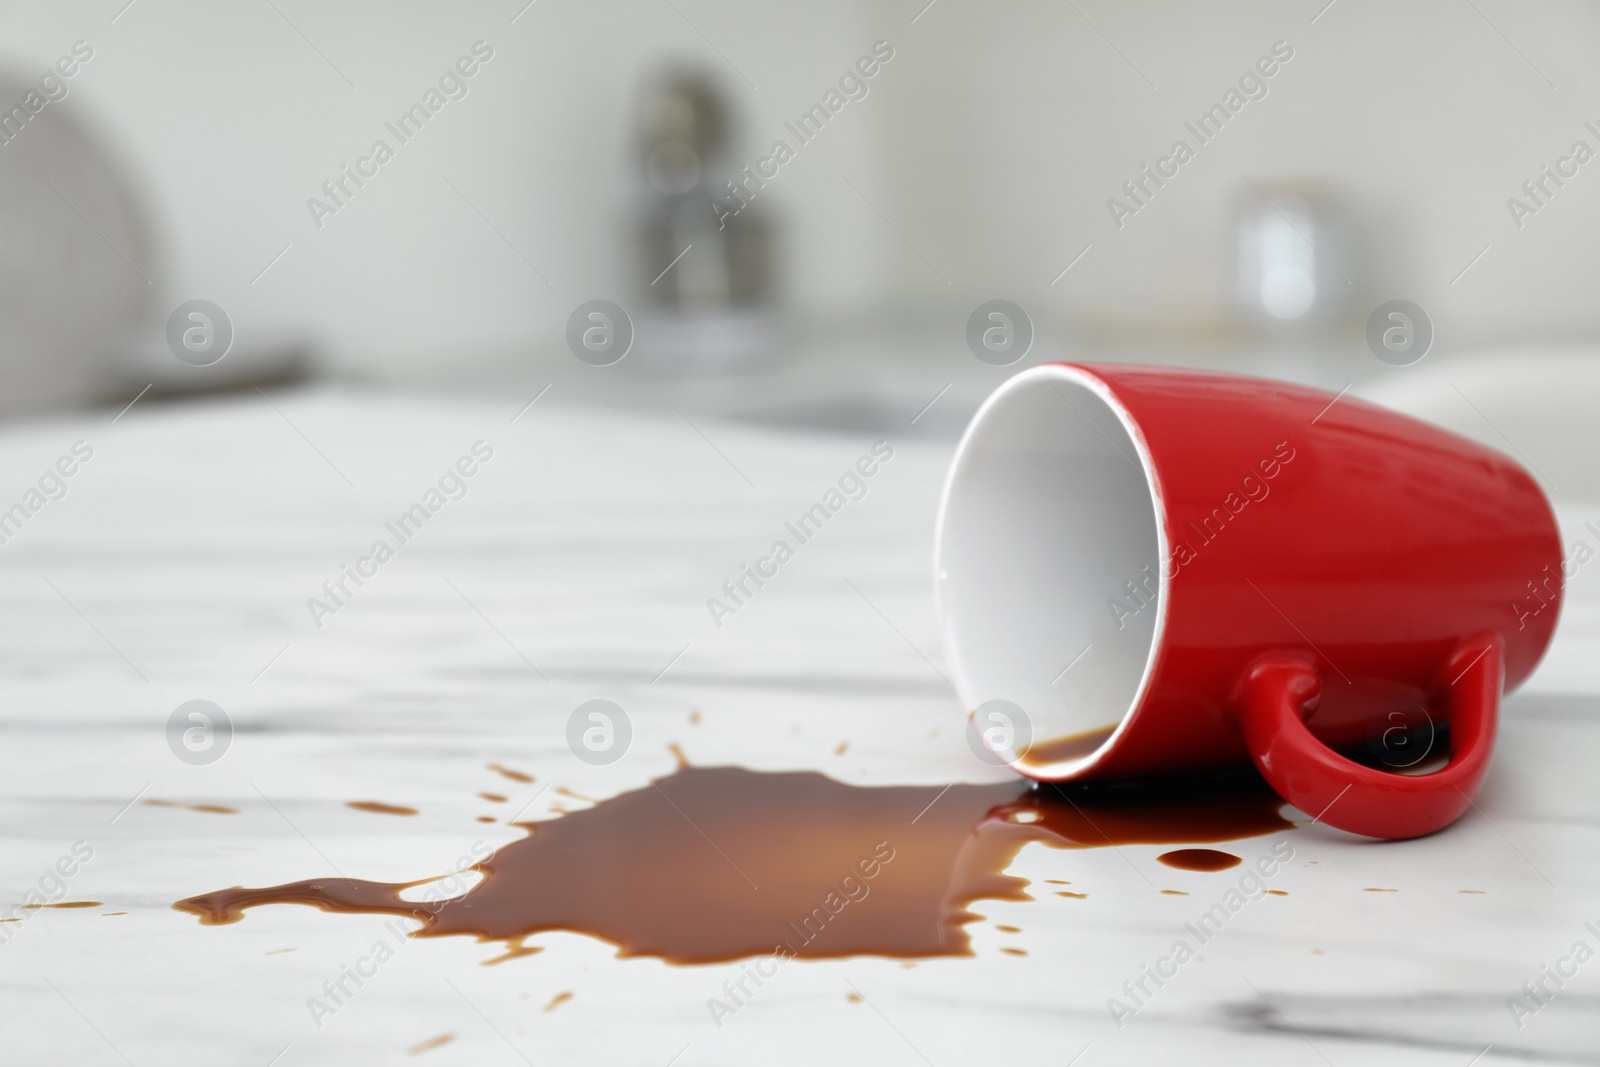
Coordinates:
712 864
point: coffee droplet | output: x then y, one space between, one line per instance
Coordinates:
1199 859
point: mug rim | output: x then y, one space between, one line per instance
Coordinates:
1086 378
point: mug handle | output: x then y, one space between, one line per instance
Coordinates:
1281 689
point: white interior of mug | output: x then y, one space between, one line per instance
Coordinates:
1048 564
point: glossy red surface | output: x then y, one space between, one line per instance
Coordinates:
1364 800
1374 547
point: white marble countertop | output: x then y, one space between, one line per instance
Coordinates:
178 565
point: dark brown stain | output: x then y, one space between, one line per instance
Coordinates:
379 808
1278 892
1199 859
1074 896
712 864
486 818
557 1000
109 913
1174 893
564 791
677 754
1009 951
432 1043
1009 929
66 904
1061 749
507 772
213 809
493 798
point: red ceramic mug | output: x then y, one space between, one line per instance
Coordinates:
1171 570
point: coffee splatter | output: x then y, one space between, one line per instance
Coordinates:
1199 859
380 808
432 1043
213 809
507 772
557 1000
712 864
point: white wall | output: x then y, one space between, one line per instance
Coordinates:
991 142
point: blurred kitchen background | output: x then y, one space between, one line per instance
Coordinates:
975 163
